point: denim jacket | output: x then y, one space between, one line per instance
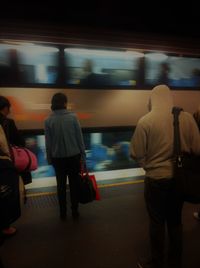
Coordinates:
63 135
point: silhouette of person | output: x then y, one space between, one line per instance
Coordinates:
164 74
65 150
197 119
152 147
9 190
13 137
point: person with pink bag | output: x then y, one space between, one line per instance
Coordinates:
9 190
13 137
196 116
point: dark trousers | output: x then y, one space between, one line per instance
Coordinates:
67 167
164 207
1 264
10 209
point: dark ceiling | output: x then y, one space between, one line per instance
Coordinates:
119 15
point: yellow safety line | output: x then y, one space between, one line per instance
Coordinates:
120 183
40 194
99 186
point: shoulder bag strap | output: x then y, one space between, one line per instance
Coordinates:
177 144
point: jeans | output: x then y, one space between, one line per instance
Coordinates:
164 207
68 166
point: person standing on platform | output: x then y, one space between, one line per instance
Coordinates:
9 190
152 147
13 135
13 138
65 150
197 119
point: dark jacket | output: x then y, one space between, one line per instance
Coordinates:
9 188
14 138
11 131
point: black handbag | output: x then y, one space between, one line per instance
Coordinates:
186 167
87 192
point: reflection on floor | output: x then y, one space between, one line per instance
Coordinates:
112 232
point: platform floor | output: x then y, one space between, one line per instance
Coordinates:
110 233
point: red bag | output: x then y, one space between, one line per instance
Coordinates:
93 179
23 159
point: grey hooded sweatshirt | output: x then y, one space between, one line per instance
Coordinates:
152 141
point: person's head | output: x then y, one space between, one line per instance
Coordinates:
161 98
58 101
4 106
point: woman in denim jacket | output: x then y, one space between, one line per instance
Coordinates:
65 149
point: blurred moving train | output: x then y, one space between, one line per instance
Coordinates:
107 79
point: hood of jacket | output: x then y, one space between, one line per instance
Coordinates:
161 99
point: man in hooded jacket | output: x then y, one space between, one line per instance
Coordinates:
197 119
152 147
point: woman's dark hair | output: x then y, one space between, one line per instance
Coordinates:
4 102
58 101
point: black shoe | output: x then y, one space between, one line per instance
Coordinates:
143 265
148 264
174 263
75 214
63 215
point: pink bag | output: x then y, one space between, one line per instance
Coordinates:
23 159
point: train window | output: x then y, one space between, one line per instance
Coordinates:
108 151
92 68
42 65
8 67
185 72
27 63
177 72
104 151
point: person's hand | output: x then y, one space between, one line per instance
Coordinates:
83 165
